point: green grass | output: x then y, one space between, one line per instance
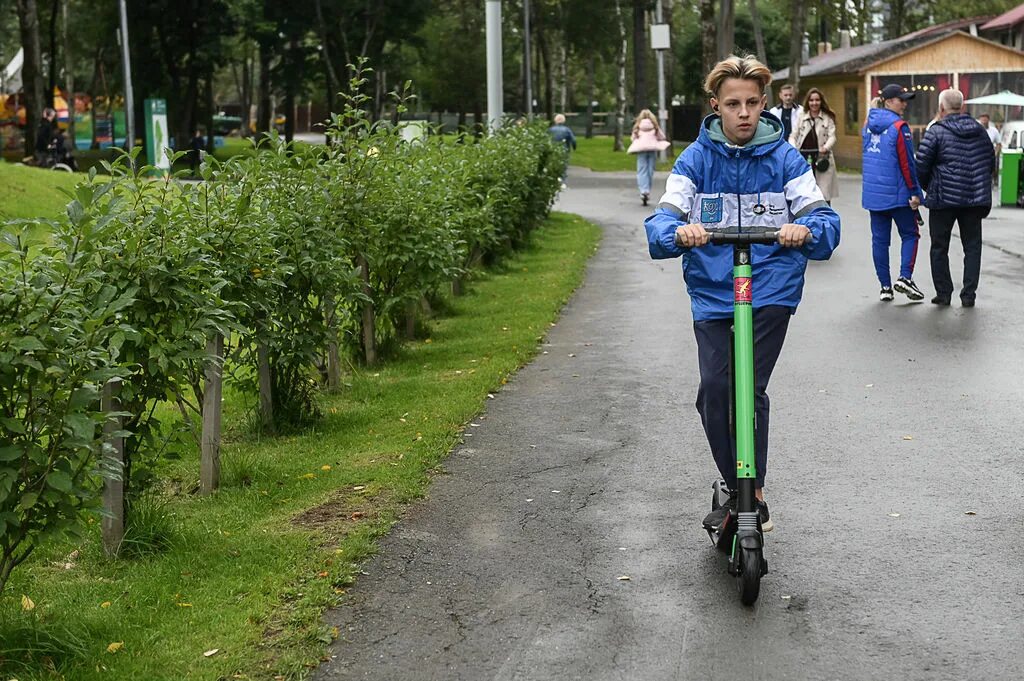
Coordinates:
31 192
250 569
596 153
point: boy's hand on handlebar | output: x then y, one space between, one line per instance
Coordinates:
690 236
794 236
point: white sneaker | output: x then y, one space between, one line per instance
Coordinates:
885 295
908 288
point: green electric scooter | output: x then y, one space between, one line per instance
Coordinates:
741 536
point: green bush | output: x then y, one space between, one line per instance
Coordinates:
285 252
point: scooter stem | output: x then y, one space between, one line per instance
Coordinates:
743 352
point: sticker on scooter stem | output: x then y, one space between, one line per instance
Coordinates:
741 290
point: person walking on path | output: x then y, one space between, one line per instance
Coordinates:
815 135
787 111
648 140
560 132
954 163
890 190
740 172
993 134
45 134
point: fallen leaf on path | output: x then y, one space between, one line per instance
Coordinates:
624 578
27 603
211 653
116 646
970 513
894 515
358 488
105 604
908 437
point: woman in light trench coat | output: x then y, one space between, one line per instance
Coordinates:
815 135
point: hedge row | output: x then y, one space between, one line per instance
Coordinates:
294 254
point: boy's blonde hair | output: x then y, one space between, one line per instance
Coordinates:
746 68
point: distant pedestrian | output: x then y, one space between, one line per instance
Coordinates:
560 132
993 134
197 146
815 135
890 190
648 140
45 134
954 163
787 111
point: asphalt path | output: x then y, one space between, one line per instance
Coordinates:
563 540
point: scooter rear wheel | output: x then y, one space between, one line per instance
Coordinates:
750 575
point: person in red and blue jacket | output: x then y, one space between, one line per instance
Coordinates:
890 190
741 172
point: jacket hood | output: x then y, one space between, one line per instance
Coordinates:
963 125
767 136
880 119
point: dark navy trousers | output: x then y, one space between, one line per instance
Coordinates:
714 339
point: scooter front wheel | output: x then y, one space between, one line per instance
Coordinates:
750 575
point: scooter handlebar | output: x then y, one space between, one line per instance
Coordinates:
757 235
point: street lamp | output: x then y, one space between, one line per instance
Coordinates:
660 42
494 84
129 98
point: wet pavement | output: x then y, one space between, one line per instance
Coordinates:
564 541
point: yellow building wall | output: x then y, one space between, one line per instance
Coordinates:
848 146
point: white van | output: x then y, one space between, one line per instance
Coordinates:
1013 135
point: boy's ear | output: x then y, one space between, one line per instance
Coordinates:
714 104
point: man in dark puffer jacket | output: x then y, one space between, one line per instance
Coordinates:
954 164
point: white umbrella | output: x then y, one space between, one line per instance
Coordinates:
1004 98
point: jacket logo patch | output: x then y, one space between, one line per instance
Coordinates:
711 210
875 140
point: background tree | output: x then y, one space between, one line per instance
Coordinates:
31 70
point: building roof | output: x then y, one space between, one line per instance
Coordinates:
859 59
853 59
1006 20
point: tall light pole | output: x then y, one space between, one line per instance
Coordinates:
129 98
526 60
660 40
495 112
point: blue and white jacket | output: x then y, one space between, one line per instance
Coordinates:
719 185
890 174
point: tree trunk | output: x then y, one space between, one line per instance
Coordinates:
69 71
330 76
796 37
639 55
708 32
755 18
591 88
54 13
549 76
31 76
620 92
211 143
369 315
726 28
263 113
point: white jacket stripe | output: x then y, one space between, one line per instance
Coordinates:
679 192
802 191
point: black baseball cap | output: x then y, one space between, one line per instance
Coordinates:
892 90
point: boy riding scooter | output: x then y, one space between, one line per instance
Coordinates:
740 173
